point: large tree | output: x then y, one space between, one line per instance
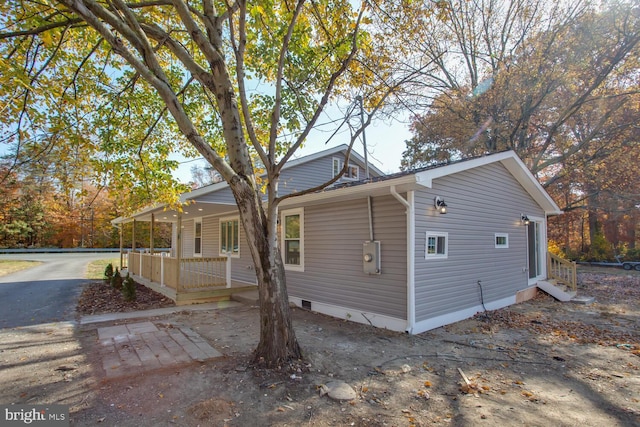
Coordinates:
556 83
240 83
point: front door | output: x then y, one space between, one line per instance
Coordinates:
535 251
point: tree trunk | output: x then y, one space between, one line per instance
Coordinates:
278 343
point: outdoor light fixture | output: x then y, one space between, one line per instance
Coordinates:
440 205
524 219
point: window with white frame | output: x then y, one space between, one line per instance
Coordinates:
501 240
292 232
352 173
229 236
437 244
197 237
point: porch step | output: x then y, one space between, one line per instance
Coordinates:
583 299
246 297
556 290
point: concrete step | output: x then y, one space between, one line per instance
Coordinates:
556 291
583 299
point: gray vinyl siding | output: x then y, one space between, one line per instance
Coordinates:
224 196
295 178
187 239
311 174
333 238
209 237
481 202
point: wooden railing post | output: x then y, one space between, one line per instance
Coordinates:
228 270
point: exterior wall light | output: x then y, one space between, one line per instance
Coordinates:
440 205
524 219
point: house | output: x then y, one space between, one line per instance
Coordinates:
409 252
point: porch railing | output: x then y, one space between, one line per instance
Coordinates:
562 270
189 274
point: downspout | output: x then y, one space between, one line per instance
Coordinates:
411 248
370 219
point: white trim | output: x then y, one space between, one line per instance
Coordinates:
411 264
436 255
283 214
227 219
495 240
542 250
456 316
511 161
409 203
198 220
355 315
335 169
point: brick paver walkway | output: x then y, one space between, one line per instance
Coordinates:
128 349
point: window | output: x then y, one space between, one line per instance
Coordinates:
197 237
352 173
229 236
436 245
502 240
293 239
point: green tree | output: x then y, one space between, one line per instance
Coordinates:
136 82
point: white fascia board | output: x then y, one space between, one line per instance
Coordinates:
511 162
521 172
146 211
405 183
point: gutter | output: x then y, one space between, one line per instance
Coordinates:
409 203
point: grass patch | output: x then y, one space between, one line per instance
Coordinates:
10 266
95 270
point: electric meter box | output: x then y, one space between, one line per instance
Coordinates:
371 257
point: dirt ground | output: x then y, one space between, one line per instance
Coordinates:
539 363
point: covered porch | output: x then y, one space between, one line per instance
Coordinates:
155 252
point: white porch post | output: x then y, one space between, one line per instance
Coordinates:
228 270
162 270
121 229
178 252
151 224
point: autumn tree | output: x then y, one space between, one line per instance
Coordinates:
555 82
238 83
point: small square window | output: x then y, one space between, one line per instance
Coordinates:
437 245
351 174
501 240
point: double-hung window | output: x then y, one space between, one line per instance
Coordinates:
292 232
197 237
437 245
229 236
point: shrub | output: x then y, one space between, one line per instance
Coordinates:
600 249
108 272
129 289
116 279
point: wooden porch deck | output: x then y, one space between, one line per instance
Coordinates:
212 294
186 281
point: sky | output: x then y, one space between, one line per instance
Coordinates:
385 143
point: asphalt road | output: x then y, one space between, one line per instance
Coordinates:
46 293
